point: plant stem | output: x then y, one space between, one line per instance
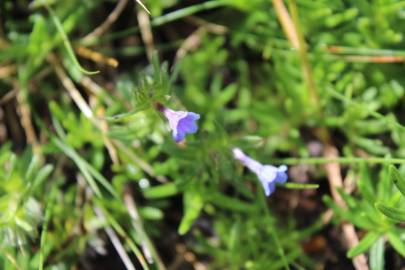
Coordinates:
340 160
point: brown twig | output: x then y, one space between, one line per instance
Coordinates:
183 255
7 71
147 245
115 241
96 56
373 59
146 31
190 43
211 27
194 39
107 23
9 96
25 114
286 23
335 182
70 87
95 89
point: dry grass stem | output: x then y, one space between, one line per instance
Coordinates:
335 182
96 56
146 31
286 23
24 112
107 23
115 241
147 245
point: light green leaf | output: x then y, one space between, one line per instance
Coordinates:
231 203
301 186
151 213
377 255
193 203
364 244
161 191
391 212
396 242
365 185
398 180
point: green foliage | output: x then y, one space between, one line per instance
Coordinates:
369 213
88 165
20 211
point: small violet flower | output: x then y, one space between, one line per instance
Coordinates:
268 175
180 122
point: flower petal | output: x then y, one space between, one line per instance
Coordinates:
281 177
268 173
181 123
271 188
187 124
178 135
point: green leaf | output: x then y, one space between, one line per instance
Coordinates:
301 186
377 255
398 180
391 212
231 203
43 173
151 213
365 185
396 242
384 185
24 224
161 191
364 244
193 204
66 42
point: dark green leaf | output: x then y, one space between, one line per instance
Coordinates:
391 212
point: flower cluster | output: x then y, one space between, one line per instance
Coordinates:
183 122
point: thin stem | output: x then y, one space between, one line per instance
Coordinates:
166 18
107 23
272 231
66 42
340 160
116 242
48 214
305 64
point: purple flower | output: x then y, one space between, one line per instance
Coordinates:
268 175
181 122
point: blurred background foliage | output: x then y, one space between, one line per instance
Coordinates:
91 179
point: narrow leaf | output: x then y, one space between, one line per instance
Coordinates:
66 42
301 186
398 180
391 212
365 185
377 255
193 204
231 203
161 191
396 242
364 244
